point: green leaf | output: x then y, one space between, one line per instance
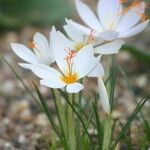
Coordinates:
19 78
131 118
146 126
100 127
60 113
46 111
112 82
78 116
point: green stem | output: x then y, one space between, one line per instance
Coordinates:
107 132
61 119
79 117
71 125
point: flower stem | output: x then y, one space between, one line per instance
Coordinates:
71 125
107 132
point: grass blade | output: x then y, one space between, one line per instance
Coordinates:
112 82
131 118
18 77
99 127
79 117
46 110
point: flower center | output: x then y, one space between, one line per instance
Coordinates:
78 46
69 78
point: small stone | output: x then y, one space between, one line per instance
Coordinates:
6 121
22 139
141 81
8 85
41 120
26 115
116 114
21 111
8 146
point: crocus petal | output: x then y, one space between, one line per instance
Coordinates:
51 54
45 60
135 30
108 11
97 71
43 47
108 35
131 18
88 16
109 48
73 33
25 65
53 83
103 96
43 71
60 50
50 76
78 26
41 43
84 61
24 53
74 88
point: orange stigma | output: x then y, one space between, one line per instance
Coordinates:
35 49
123 1
68 58
31 45
69 77
139 9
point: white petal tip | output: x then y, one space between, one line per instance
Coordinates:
103 96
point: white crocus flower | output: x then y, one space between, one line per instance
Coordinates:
42 50
103 96
114 21
110 48
72 66
100 46
76 46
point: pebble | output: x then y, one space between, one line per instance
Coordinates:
8 85
22 139
141 81
41 120
21 111
8 146
26 116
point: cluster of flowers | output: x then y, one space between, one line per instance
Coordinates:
78 55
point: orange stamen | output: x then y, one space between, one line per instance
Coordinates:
91 37
137 4
143 17
123 1
133 5
69 77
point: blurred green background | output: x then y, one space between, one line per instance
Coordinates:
15 14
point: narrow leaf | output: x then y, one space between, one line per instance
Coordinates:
131 118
